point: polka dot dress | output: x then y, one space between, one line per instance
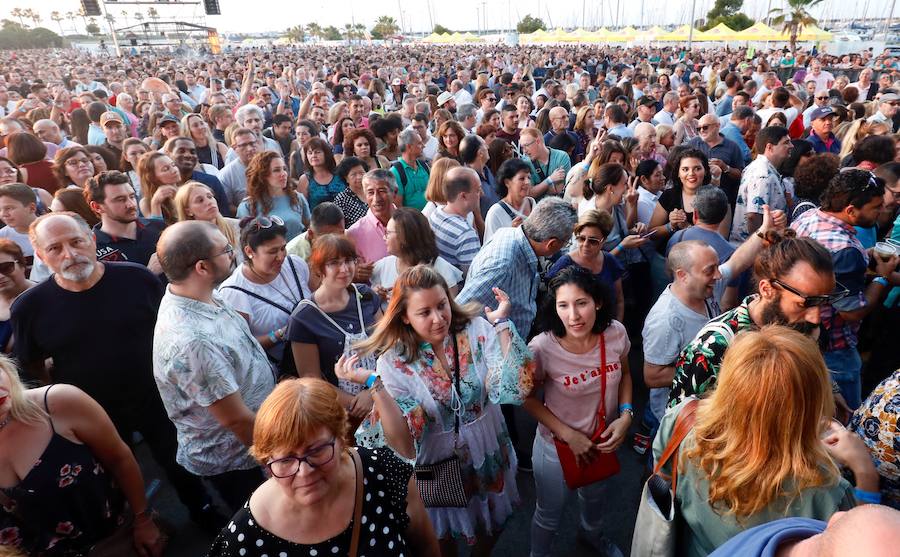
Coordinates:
383 523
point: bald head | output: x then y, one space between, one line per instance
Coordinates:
681 256
559 119
644 130
182 245
872 530
708 128
47 130
64 242
708 119
45 227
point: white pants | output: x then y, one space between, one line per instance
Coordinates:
551 493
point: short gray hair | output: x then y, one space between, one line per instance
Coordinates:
466 111
383 176
406 137
670 96
710 205
552 218
244 111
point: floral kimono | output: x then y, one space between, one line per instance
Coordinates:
427 397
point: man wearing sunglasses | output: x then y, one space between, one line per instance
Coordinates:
211 372
854 198
887 108
795 283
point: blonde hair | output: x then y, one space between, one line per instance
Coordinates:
293 414
392 332
434 191
756 438
662 130
183 199
22 408
336 112
212 143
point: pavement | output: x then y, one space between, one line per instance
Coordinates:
623 489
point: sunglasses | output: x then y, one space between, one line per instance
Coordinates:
825 98
706 127
591 242
7 268
268 222
813 301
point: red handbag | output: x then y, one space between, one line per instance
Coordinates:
603 465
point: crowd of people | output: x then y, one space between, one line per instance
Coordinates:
323 286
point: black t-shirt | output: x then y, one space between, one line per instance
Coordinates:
101 340
112 248
671 199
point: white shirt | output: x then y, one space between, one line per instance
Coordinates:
497 216
9 233
385 272
462 97
789 113
646 204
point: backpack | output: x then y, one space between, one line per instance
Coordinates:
401 172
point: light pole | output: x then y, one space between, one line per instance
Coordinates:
691 25
112 29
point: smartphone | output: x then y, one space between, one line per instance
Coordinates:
648 234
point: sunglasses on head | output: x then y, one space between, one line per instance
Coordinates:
268 222
813 301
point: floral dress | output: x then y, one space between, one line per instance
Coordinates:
66 503
427 397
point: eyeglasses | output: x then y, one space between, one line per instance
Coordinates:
813 301
389 233
245 145
825 98
590 240
338 263
229 249
267 222
76 162
290 465
706 127
7 267
527 145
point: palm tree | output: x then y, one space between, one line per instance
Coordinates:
348 32
18 13
71 17
154 15
111 19
296 34
386 26
83 15
34 16
125 15
794 18
57 17
360 30
139 17
314 30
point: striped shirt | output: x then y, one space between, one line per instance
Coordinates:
509 263
457 241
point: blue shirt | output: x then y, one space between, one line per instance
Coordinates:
820 146
293 216
764 540
489 194
732 132
319 193
96 135
507 262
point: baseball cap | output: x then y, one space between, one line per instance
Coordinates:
444 97
647 100
165 120
890 97
110 116
397 81
823 112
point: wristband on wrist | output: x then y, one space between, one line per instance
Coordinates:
626 406
272 337
371 380
669 227
881 280
872 498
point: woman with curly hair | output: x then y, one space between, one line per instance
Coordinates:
762 446
270 194
361 143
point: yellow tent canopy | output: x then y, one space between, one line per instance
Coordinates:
813 33
680 34
471 38
720 32
652 34
759 31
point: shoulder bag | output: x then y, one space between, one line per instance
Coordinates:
357 505
655 529
603 465
440 483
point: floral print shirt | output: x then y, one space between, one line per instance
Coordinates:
876 422
698 363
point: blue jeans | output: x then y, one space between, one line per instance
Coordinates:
845 366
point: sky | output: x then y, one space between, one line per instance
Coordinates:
419 15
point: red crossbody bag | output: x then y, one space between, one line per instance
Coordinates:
603 465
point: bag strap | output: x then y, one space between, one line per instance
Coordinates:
683 424
296 278
456 381
357 506
601 409
507 208
260 298
362 323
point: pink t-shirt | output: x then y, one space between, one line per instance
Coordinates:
572 381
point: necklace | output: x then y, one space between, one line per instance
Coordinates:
5 421
289 297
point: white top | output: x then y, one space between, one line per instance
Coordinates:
497 217
385 272
265 317
431 206
646 204
20 239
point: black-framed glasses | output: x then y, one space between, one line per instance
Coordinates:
229 249
812 301
289 466
825 98
7 268
267 222
706 127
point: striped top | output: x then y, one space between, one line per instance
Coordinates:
457 241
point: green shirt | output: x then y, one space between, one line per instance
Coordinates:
707 529
413 192
540 172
